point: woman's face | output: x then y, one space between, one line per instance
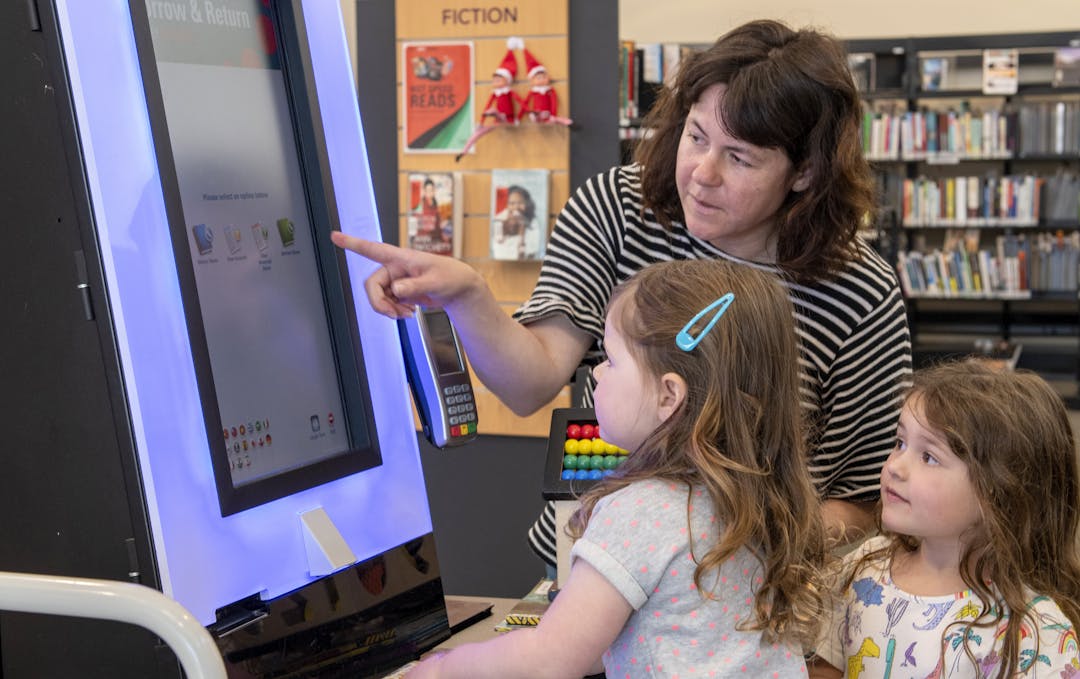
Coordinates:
731 190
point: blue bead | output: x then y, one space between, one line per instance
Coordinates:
568 474
582 475
595 474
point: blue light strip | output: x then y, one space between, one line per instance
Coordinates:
207 561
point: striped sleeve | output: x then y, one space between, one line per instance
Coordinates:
578 273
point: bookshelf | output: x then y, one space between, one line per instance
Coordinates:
975 141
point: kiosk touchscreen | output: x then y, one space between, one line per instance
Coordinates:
286 401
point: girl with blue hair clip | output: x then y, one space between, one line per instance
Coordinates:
700 555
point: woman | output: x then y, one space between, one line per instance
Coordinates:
756 159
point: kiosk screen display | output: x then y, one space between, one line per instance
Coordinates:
256 258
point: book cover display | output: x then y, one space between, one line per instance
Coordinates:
862 68
437 96
1001 71
434 212
519 214
934 72
1067 67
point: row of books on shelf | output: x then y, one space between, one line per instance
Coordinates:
1015 267
643 68
1030 128
990 200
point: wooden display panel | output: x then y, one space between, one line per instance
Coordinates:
428 19
543 26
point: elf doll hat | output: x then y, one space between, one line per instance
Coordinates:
532 64
508 67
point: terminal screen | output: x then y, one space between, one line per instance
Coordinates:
443 344
252 246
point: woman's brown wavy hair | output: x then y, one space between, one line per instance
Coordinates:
738 434
789 90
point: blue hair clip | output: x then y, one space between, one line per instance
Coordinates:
685 341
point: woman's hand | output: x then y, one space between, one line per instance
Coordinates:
410 277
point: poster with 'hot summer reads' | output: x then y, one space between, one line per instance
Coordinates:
437 96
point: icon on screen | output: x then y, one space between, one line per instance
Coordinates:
261 236
232 239
287 232
204 238
314 423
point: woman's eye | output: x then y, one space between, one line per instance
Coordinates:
738 160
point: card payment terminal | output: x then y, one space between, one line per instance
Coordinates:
439 377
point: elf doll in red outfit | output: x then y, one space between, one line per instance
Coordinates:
501 106
541 105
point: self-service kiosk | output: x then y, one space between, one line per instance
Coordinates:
195 395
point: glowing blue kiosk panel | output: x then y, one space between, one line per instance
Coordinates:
243 351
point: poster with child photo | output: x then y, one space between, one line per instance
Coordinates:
519 214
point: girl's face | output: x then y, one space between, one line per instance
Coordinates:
925 489
730 190
515 203
626 397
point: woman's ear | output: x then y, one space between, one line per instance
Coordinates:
802 179
672 393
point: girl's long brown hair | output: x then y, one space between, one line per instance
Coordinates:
738 433
1012 431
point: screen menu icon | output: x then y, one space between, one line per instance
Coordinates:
261 236
287 232
204 238
232 239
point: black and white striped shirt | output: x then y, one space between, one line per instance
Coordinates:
855 349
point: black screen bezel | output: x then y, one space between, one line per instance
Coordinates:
363 451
